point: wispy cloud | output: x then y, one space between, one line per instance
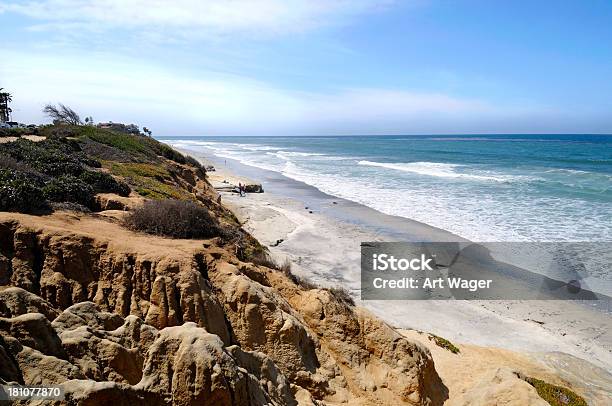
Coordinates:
198 17
213 103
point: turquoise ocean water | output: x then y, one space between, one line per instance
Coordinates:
485 188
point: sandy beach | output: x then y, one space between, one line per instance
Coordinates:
561 335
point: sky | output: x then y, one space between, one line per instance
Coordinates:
314 67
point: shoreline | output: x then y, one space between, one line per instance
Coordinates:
322 249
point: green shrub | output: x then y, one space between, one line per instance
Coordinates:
8 162
67 131
102 182
194 162
19 192
138 144
51 157
444 343
174 218
68 188
122 141
148 180
16 132
556 395
105 152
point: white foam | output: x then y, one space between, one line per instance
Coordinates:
441 170
460 207
289 154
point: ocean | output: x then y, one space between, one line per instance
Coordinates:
484 188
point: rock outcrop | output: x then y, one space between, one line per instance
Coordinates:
119 317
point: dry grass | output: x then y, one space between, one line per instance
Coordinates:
174 218
343 295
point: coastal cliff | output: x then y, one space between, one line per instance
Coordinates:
124 279
117 315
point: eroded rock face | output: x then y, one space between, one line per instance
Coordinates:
68 269
99 357
16 301
501 387
170 322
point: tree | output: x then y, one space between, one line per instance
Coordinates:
89 120
62 114
5 110
146 131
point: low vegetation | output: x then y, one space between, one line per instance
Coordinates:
35 174
138 145
444 343
75 162
14 132
556 395
19 192
152 181
174 218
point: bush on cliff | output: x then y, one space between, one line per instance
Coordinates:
19 192
16 132
51 157
68 188
174 218
102 182
54 170
138 145
555 395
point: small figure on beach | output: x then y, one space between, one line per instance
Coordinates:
241 189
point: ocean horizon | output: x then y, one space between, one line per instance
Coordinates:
553 187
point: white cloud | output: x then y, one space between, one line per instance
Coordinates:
213 103
207 17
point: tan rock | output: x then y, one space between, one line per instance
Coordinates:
23 262
17 301
266 383
9 368
263 321
112 201
40 369
33 330
186 365
5 270
94 341
91 393
185 321
500 387
376 361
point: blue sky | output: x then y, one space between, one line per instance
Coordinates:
300 67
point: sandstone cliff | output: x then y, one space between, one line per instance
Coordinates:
117 316
122 317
